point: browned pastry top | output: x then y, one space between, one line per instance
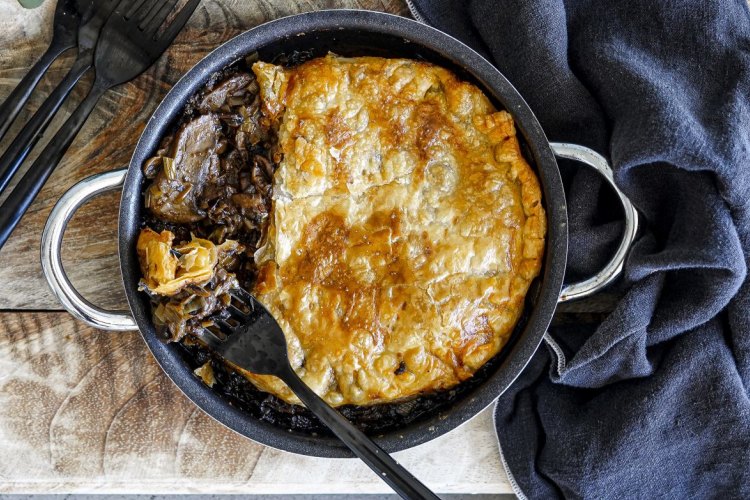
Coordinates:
406 227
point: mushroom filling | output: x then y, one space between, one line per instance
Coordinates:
208 196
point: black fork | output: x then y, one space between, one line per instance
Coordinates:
24 142
130 42
68 16
252 339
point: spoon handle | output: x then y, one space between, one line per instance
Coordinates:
14 102
19 200
13 157
398 478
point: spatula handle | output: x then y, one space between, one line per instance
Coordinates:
398 478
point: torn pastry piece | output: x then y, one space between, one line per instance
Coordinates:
166 269
405 230
206 373
189 280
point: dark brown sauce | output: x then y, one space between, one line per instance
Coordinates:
373 419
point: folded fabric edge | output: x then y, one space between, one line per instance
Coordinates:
511 479
415 12
561 360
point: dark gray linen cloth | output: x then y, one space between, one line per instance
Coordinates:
654 401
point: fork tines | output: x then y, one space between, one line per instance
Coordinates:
244 297
148 16
214 339
150 22
208 337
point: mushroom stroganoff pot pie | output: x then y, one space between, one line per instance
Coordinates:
381 189
381 209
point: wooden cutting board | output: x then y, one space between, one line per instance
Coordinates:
83 410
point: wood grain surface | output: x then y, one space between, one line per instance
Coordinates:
83 410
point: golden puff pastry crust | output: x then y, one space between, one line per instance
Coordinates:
406 227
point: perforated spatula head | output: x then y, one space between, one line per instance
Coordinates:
249 338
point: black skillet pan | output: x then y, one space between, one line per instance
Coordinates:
347 33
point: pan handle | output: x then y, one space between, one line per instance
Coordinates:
614 266
52 266
99 318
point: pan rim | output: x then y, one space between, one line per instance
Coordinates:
493 82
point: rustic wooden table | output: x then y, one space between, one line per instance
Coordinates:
83 410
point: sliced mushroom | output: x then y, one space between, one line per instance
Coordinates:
268 167
191 163
216 98
260 179
249 203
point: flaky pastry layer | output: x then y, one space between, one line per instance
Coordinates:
405 231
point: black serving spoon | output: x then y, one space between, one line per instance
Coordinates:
130 42
257 344
24 142
68 17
